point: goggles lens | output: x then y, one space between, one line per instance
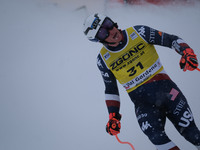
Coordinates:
103 32
107 24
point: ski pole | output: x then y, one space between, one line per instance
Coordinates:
124 142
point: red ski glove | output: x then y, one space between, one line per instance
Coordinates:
188 60
113 126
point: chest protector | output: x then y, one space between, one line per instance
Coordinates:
135 64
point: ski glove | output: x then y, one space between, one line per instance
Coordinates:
113 126
188 60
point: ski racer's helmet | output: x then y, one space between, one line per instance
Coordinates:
92 25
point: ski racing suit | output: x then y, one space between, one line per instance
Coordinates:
136 65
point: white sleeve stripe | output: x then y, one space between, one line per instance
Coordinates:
180 41
112 97
165 146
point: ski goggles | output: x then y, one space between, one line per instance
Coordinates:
103 32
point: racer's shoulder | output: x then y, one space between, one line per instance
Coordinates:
144 31
141 27
100 62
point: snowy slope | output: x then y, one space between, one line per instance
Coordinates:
51 92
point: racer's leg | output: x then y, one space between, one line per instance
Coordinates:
152 121
149 100
180 114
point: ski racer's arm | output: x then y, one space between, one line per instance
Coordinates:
111 89
188 60
111 97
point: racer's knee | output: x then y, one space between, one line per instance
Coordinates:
158 138
162 142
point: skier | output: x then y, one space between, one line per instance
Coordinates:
130 57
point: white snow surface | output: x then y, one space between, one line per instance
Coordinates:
51 92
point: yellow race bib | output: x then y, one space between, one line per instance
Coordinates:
135 64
